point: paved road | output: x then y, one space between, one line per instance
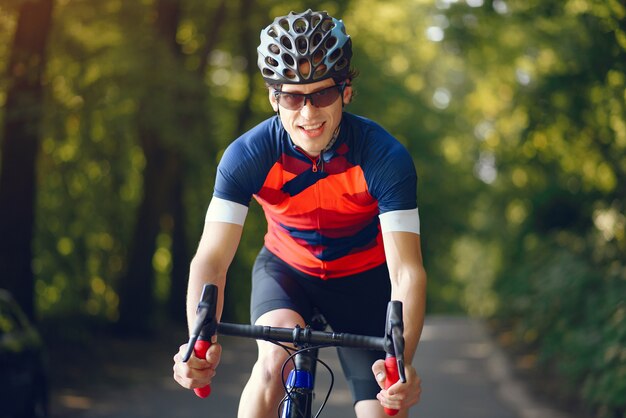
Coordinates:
464 375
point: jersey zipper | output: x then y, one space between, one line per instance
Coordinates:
316 163
318 196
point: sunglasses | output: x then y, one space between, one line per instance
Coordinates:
321 98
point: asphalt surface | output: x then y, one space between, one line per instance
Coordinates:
464 374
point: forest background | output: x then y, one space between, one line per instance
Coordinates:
114 114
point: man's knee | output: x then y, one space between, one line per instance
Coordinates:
270 362
270 356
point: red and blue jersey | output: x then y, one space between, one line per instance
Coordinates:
322 213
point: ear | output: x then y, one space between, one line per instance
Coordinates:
347 94
272 99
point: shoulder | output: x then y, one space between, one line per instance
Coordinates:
259 147
264 137
387 165
247 160
377 146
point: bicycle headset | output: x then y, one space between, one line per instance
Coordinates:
293 41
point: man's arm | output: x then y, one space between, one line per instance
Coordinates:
215 253
408 283
216 250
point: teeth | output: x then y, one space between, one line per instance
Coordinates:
311 127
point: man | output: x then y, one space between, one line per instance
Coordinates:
339 195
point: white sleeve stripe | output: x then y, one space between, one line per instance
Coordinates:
221 210
400 221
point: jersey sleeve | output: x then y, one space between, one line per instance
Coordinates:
245 164
233 180
221 210
390 172
400 221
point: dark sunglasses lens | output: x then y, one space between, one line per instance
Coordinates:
322 98
290 101
325 97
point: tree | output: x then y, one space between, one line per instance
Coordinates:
172 107
546 108
20 144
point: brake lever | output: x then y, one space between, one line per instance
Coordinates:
203 330
394 347
398 345
201 316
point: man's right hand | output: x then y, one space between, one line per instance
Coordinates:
196 373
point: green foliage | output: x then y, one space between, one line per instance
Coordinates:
514 112
545 108
570 311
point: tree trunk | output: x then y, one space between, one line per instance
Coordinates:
20 143
163 167
194 118
249 45
136 290
180 255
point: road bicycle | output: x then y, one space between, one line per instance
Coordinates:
299 385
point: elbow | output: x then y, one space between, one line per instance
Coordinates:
207 269
409 277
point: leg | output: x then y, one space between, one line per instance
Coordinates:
371 408
358 305
264 389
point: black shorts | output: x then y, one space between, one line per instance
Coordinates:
354 304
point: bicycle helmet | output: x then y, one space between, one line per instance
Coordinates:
304 48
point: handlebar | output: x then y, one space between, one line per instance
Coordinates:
392 342
301 336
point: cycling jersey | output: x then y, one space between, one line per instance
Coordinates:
322 212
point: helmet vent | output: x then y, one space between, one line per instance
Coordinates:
273 32
320 72
315 20
271 61
286 42
341 64
318 57
302 44
288 59
274 49
316 39
268 73
335 55
289 74
300 25
327 25
305 68
331 42
284 23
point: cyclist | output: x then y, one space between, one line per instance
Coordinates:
339 195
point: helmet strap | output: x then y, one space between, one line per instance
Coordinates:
333 139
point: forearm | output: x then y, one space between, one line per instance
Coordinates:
216 251
408 283
409 287
201 272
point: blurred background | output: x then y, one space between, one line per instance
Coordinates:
114 114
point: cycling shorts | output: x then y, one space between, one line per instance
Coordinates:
353 304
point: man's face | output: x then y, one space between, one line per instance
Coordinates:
311 128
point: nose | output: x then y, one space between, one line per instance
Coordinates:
308 108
